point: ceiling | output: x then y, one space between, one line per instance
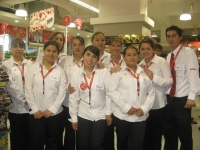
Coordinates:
163 12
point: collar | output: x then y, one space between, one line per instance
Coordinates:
40 63
110 59
73 60
138 71
83 71
176 50
154 60
24 61
105 54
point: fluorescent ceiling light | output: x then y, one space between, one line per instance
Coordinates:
72 25
21 11
185 16
16 21
154 35
86 5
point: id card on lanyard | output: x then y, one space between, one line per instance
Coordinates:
22 75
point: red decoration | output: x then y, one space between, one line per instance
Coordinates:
66 20
4 26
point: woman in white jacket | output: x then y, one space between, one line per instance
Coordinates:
133 95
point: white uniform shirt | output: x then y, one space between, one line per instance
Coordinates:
111 63
100 104
187 72
105 59
162 79
40 57
124 95
54 89
15 85
70 65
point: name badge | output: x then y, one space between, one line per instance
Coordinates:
54 78
100 87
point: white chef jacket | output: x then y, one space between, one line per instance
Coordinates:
162 79
40 57
70 65
187 72
15 85
100 104
105 59
54 89
124 95
110 63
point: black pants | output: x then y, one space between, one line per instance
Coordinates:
130 135
177 124
45 131
20 135
154 129
108 143
90 134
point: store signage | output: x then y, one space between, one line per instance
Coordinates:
66 20
42 19
4 26
78 23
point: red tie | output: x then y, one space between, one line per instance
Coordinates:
173 88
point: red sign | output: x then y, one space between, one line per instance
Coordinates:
78 23
66 20
4 26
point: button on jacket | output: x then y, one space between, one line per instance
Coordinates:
100 104
15 85
70 65
162 80
123 92
54 89
187 72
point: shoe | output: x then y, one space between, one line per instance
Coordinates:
193 122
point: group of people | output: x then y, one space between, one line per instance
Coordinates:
89 93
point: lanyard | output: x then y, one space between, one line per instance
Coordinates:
138 81
89 86
44 76
58 60
149 64
172 64
22 74
114 63
79 65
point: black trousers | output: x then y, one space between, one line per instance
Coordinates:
90 134
108 143
20 135
130 135
154 129
45 131
177 124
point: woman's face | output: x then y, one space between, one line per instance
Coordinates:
89 59
146 51
59 39
77 47
131 57
17 50
115 48
50 53
99 41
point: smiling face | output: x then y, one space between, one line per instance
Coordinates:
90 59
50 53
131 57
99 41
77 47
173 39
17 50
115 48
59 39
146 51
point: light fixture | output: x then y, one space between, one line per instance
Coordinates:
53 28
86 5
16 21
78 34
185 16
21 11
72 25
88 36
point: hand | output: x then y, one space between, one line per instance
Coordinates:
100 65
109 120
25 101
115 69
47 113
132 111
71 89
75 125
38 115
148 72
139 112
189 103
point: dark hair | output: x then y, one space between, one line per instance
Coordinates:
53 35
82 41
158 46
116 39
177 29
17 41
92 49
96 33
149 41
132 47
51 42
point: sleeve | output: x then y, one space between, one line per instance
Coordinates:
115 94
108 99
166 80
40 56
149 100
29 89
61 93
192 71
11 86
74 99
